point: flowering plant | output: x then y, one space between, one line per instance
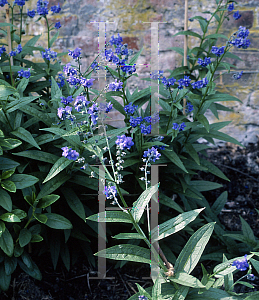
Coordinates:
60 122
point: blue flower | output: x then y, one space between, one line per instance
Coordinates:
80 102
86 82
217 51
57 25
128 69
31 13
231 7
61 83
75 54
168 82
69 153
134 122
189 107
237 75
116 41
42 7
49 54
73 80
184 82
116 86
175 126
152 154
12 53
3 2
110 191
130 108
182 126
67 100
156 75
19 2
123 142
55 9
145 129
204 62
241 264
236 15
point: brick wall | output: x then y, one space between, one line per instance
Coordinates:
79 19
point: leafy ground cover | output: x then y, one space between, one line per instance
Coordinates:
240 166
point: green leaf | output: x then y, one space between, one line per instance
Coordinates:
126 252
57 221
53 39
74 202
192 251
221 97
9 186
213 294
8 173
42 116
203 120
177 49
41 218
6 242
54 248
134 59
143 292
128 236
10 144
156 290
222 136
216 36
186 280
188 32
65 255
59 166
9 217
6 91
47 201
53 184
255 264
219 203
174 158
14 105
10 264
5 200
140 205
203 185
34 271
213 169
175 224
111 216
181 293
4 279
192 152
36 238
55 90
23 180
22 85
247 231
24 237
25 135
7 164
39 155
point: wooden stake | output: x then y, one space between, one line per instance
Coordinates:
9 40
185 44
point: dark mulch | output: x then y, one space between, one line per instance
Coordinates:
240 165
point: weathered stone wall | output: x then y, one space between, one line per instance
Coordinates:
80 19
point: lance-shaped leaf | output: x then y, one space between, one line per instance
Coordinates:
23 181
59 166
74 202
57 221
5 200
25 135
174 225
4 279
192 251
186 280
128 236
6 243
111 216
38 155
140 205
47 201
126 252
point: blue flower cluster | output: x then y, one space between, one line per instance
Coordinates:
116 86
24 73
130 108
241 40
217 51
231 7
3 2
2 50
110 191
241 264
60 80
123 142
184 82
69 153
142 297
189 107
168 82
68 70
200 83
49 54
19 2
31 13
65 113
55 9
16 51
179 127
116 57
67 100
156 75
204 62
152 154
57 25
75 53
236 15
42 7
80 103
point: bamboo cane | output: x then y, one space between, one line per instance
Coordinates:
185 43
